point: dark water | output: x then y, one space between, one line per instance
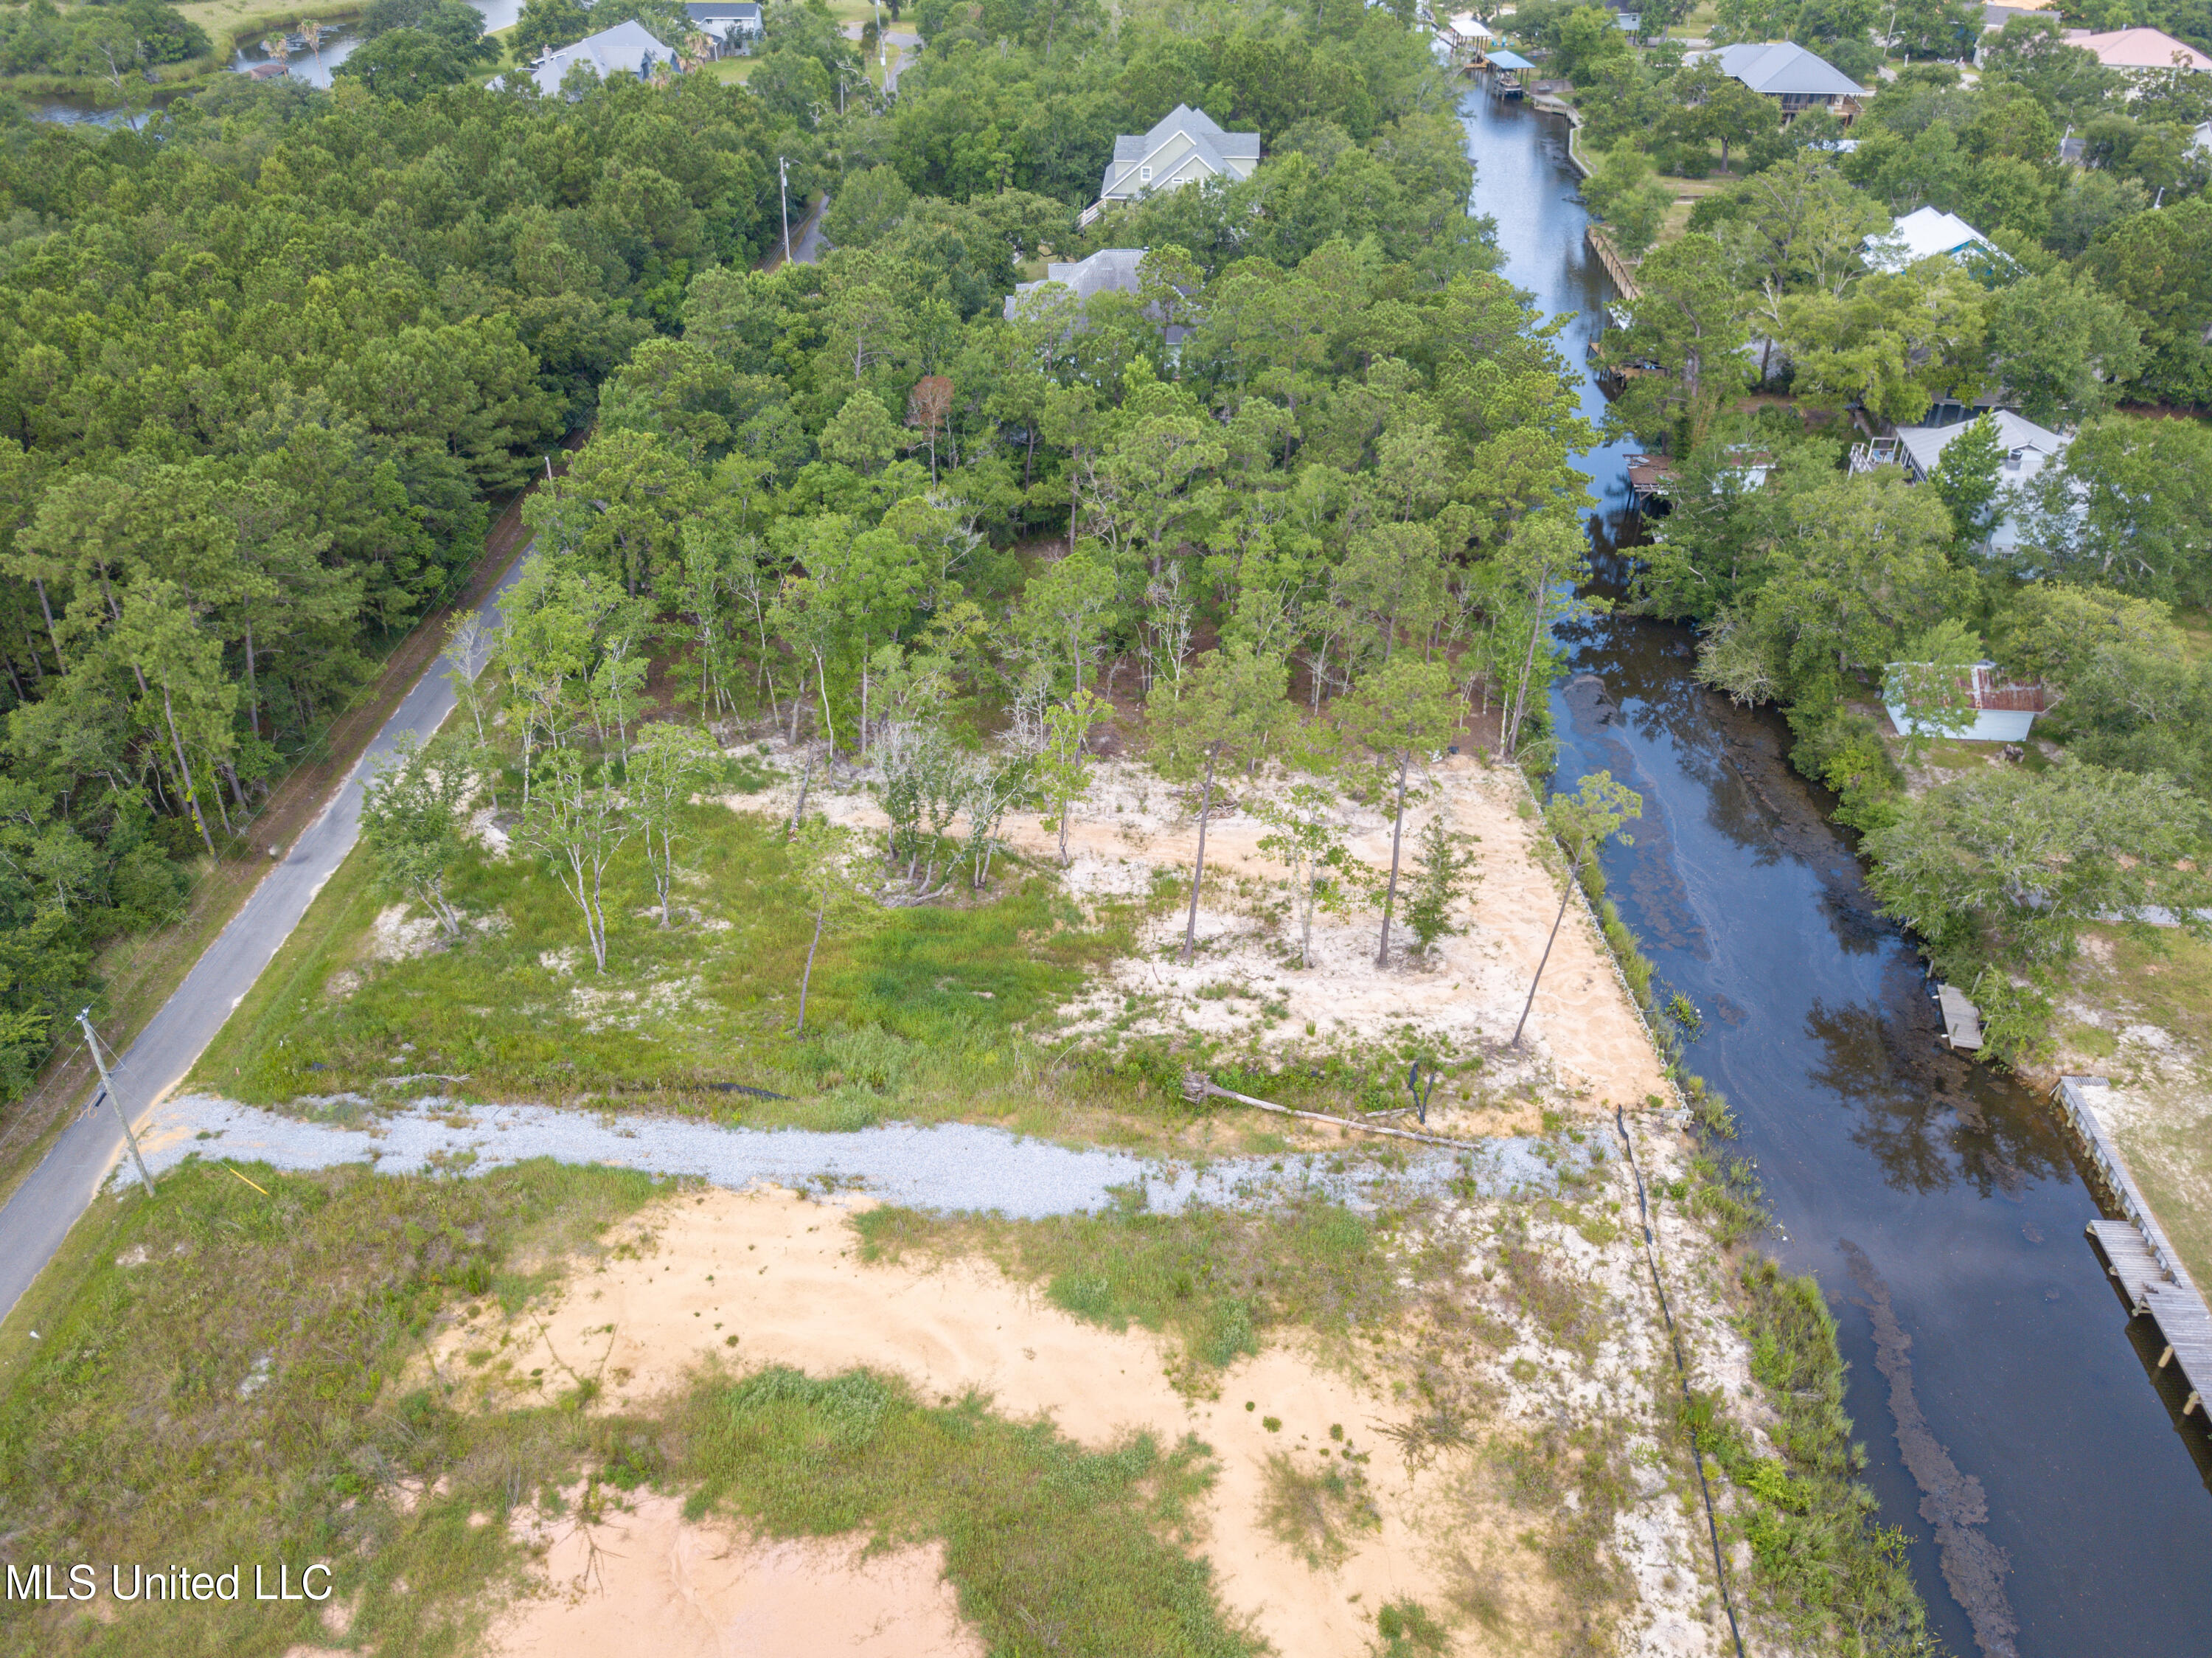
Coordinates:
2012 1431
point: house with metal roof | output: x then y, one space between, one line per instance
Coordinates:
2139 51
1188 146
1792 76
2028 449
2002 711
1926 233
731 26
1110 270
628 48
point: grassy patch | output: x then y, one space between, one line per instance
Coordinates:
1052 1549
2161 975
1216 1279
218 1380
1822 1567
213 1382
924 1016
1313 1512
1570 1483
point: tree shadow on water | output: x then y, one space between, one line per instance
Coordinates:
1931 1119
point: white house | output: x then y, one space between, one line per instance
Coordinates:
2003 711
1110 270
1923 233
2028 449
1185 148
731 26
1466 30
1793 77
626 49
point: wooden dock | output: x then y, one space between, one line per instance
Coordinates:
1622 273
1962 1019
2138 1256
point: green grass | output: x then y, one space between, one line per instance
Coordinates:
1823 1567
928 1014
219 1377
1053 1549
1216 1279
231 1396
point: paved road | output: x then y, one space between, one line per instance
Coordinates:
905 48
43 1209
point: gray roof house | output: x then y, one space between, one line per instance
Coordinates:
1787 72
2028 449
732 25
1187 146
1110 270
625 49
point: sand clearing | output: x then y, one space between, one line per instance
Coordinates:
782 1275
648 1582
1583 1024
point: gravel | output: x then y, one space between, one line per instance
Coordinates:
947 1167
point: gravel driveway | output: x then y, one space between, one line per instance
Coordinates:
950 1166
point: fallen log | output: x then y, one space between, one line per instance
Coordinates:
1198 1088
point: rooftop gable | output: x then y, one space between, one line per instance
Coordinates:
2139 48
623 50
1781 68
1922 234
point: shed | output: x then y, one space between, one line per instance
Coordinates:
2003 711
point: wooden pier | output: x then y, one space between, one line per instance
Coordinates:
2138 1256
1622 273
1962 1019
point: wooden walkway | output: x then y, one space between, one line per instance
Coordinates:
1962 1019
2138 1256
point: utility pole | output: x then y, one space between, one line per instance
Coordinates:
783 175
107 1087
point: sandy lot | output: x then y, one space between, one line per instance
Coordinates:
782 1274
1588 1044
649 1582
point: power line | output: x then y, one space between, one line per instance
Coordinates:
107 1088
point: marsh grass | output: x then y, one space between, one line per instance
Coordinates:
1824 1568
926 1016
1054 1549
1217 1280
214 1382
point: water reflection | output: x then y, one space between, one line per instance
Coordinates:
2012 1409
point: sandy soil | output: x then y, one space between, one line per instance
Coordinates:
782 1274
1588 1045
647 1580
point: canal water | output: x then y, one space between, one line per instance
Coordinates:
313 64
2011 1429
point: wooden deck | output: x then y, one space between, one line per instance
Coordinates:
2137 1255
1962 1019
